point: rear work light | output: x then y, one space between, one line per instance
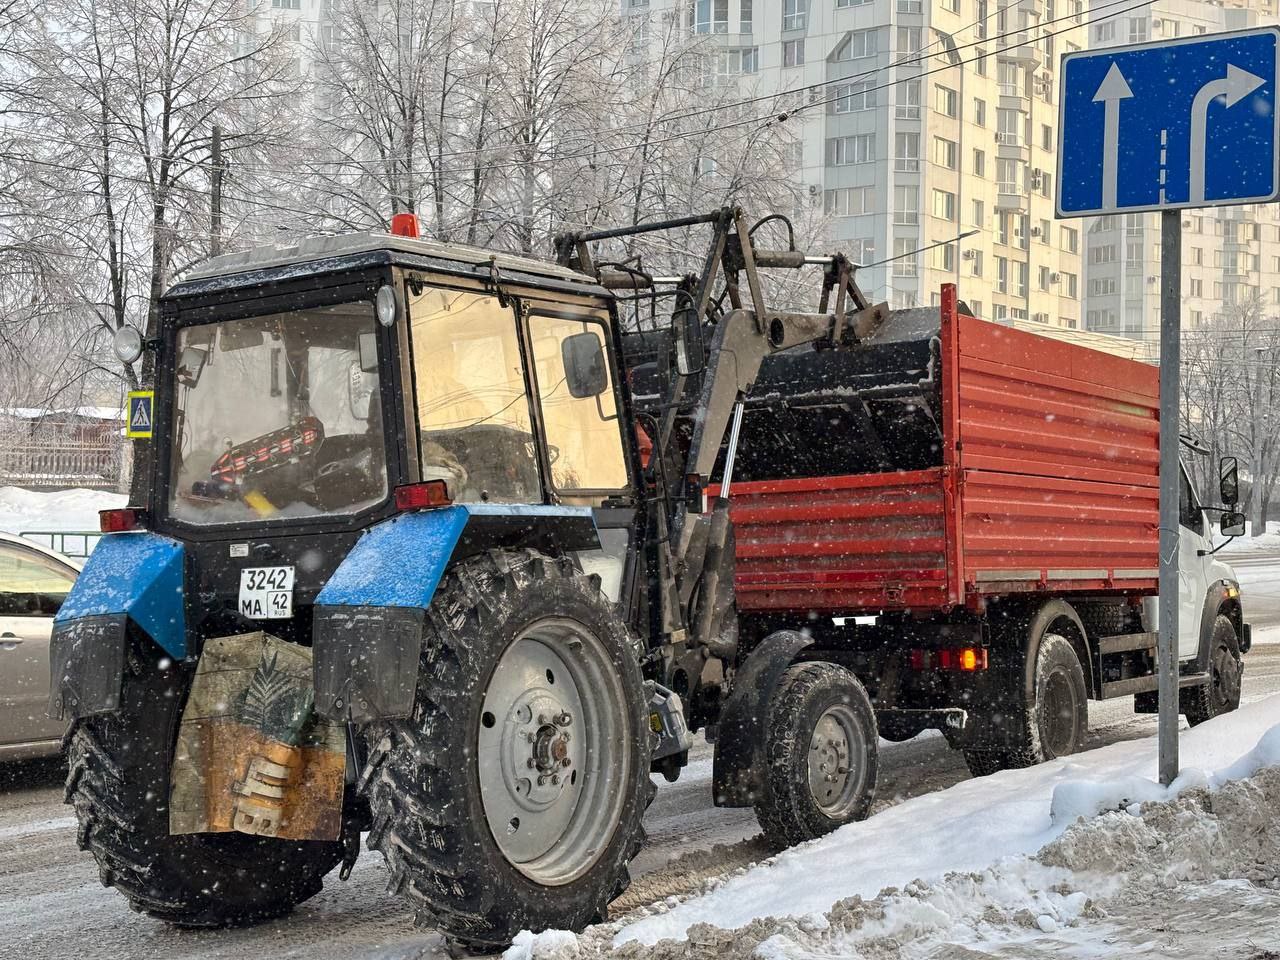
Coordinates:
964 659
122 521
429 493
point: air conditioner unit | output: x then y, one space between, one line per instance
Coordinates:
1036 232
813 189
1055 277
970 254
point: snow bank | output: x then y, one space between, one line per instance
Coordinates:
965 828
1268 542
22 510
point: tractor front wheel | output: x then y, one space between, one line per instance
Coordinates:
512 797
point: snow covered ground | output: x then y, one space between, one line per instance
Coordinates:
1079 857
22 510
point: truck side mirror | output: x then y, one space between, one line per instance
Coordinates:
1229 481
1232 525
687 332
585 370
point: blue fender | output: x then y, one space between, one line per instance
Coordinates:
368 619
138 574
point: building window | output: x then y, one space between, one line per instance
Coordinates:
946 101
850 97
1137 29
860 43
980 112
944 204
979 163
863 250
975 263
944 152
906 154
1102 287
944 257
980 62
792 53
1021 274
744 16
1004 226
1002 275
1046 137
909 39
853 3
1197 288
1103 253
905 263
286 4
1071 239
1045 232
795 14
979 213
909 100
1104 32
848 201
711 16
842 151
906 206
1073 285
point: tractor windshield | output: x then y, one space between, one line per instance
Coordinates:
277 416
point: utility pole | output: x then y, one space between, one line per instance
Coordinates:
1170 358
215 194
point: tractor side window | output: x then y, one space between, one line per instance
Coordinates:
584 439
475 429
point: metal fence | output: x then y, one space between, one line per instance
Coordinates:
70 543
62 463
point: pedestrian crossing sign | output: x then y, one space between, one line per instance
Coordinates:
142 405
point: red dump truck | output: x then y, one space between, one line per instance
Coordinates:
966 515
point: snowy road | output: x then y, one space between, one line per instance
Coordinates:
56 908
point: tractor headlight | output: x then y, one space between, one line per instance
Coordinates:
386 304
127 343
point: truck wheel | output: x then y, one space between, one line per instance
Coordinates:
821 754
512 798
1054 725
1222 693
118 782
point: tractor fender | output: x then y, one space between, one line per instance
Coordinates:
738 772
129 578
368 617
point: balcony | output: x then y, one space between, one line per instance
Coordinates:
1019 48
906 164
1012 146
1009 196
906 111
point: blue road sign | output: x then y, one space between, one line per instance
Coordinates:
1182 123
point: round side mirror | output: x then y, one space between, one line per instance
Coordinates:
127 343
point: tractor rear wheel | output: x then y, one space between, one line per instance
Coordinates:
512 798
821 752
118 782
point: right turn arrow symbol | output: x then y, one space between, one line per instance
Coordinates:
1114 88
1237 85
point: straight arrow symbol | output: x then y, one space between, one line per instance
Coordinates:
1114 88
1237 85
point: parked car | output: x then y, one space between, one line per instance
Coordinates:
34 581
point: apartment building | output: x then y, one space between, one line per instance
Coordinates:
1230 254
940 118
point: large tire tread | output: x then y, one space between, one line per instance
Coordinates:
418 821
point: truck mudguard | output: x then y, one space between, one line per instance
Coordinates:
367 623
739 775
129 576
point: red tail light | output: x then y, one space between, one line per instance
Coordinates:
417 496
965 660
122 521
404 225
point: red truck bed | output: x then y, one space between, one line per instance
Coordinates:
1048 482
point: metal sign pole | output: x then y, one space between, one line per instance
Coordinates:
1170 360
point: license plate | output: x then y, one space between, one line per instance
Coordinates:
266 593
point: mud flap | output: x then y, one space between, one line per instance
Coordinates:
252 755
86 665
366 661
738 775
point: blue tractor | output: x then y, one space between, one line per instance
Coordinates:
421 464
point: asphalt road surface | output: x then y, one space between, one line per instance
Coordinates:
53 906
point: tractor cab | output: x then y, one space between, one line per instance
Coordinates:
307 394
